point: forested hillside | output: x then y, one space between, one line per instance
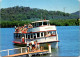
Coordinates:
18 16
76 13
23 13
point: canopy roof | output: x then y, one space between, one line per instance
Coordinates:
41 21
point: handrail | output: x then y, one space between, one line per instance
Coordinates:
21 50
8 50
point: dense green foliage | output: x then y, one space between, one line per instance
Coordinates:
18 16
67 22
23 13
14 23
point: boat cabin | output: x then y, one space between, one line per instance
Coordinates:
40 23
38 30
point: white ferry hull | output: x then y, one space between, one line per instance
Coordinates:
43 40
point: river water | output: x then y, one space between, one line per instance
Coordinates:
69 44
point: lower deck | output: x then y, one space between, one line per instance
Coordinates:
39 40
32 53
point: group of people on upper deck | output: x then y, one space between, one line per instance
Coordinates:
23 29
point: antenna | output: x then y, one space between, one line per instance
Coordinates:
64 9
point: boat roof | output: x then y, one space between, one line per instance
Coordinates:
41 21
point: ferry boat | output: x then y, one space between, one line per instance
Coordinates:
41 31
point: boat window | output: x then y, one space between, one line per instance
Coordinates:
40 23
45 33
31 35
44 23
28 36
54 33
17 35
41 34
23 35
33 24
37 24
51 32
34 35
20 36
38 34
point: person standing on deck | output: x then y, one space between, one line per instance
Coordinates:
36 46
28 46
33 45
30 26
23 41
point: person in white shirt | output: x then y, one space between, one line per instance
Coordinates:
28 46
33 45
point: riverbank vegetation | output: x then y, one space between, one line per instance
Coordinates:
67 22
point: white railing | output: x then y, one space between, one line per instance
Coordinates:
8 50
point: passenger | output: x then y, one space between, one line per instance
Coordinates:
25 26
20 30
23 41
24 31
15 27
36 45
17 30
48 34
53 33
33 45
30 26
41 48
28 46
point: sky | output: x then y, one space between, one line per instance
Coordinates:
69 6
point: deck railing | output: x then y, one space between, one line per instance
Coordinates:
8 50
25 51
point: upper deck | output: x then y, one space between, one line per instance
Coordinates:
37 26
42 29
41 26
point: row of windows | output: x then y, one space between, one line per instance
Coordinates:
35 35
40 23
